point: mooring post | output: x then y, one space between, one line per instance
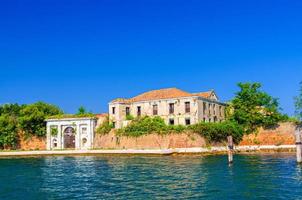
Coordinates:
230 149
298 144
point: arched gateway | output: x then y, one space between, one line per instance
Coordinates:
70 133
69 138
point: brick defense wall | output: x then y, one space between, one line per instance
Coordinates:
283 134
280 135
32 143
152 141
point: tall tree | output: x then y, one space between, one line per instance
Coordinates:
254 108
298 103
81 110
32 118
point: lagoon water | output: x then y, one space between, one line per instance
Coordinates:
269 176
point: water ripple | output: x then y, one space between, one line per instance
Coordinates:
270 176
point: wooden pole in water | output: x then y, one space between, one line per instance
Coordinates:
299 145
230 149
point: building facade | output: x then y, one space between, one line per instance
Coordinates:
70 133
175 106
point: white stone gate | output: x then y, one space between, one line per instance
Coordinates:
78 131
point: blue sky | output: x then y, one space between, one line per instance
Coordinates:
73 53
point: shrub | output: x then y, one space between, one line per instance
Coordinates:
129 117
147 125
218 132
105 127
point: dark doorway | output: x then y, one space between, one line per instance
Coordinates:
69 138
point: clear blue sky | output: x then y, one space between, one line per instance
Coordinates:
73 53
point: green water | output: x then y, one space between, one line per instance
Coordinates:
270 176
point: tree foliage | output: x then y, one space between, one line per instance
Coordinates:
9 114
81 111
32 118
253 108
218 132
298 103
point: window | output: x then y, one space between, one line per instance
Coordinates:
204 108
55 143
204 119
127 110
113 110
84 141
187 107
214 109
171 121
155 110
171 108
84 130
209 108
188 121
139 112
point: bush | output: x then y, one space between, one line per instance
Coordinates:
218 132
105 127
147 125
8 132
129 117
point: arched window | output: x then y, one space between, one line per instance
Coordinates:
55 143
84 141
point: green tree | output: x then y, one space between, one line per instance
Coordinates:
81 110
32 118
9 114
298 103
253 108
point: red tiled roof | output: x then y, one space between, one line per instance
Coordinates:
204 94
167 93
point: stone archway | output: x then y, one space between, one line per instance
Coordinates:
69 138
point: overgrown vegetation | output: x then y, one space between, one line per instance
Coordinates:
218 132
213 132
32 118
105 127
252 108
129 117
29 119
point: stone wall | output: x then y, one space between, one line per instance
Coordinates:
283 134
280 135
32 143
152 141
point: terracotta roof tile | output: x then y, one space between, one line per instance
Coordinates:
166 93
204 94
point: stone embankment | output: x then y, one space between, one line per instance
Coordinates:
212 150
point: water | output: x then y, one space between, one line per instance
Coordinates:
270 176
